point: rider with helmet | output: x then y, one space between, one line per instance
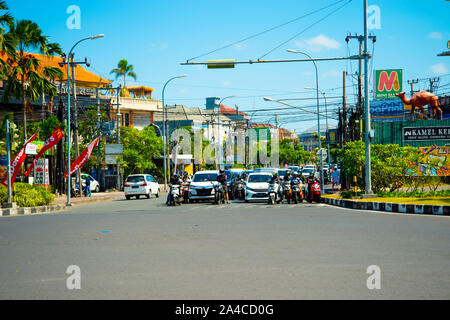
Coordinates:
222 179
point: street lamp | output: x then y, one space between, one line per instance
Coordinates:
165 128
69 179
218 130
318 114
326 124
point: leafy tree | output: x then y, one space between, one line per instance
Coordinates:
13 134
139 148
26 78
6 40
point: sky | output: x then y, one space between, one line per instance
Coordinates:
156 36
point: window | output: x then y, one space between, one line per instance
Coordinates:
126 118
259 178
135 179
150 178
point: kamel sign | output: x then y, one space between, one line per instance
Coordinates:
388 83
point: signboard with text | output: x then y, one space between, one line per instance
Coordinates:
388 83
426 133
387 110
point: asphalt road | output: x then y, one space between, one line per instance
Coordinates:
140 249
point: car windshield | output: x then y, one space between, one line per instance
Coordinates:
259 178
135 179
307 170
204 177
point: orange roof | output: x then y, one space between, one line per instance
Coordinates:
83 77
229 110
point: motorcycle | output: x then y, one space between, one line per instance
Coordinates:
274 196
175 195
185 192
219 194
316 192
239 192
287 191
297 191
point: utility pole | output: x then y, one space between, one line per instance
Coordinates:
411 83
344 109
118 133
359 108
433 81
366 104
97 93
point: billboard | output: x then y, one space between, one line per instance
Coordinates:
387 110
388 83
435 162
34 147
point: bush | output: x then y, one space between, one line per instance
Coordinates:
28 195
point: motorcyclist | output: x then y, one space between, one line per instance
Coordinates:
222 179
174 180
276 180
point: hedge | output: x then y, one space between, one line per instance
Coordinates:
28 195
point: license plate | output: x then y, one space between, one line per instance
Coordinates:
135 187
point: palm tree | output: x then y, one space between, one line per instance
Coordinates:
124 69
27 79
6 41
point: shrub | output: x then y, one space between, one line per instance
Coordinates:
28 195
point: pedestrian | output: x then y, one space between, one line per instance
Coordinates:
335 177
87 188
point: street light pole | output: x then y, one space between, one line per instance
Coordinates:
69 179
366 103
165 135
318 115
219 141
326 124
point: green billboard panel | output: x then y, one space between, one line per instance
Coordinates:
388 83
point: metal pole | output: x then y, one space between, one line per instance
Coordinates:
97 91
69 179
366 104
8 158
75 120
118 134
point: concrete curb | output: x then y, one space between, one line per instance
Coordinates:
30 210
390 207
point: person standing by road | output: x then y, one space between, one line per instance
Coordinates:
87 188
335 178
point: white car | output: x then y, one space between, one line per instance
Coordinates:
95 186
202 185
137 185
257 187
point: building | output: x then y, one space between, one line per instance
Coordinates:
308 138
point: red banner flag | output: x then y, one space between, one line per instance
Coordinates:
83 158
16 163
51 141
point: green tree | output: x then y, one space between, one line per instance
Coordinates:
6 41
27 79
140 147
123 70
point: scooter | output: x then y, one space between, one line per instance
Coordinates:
316 192
287 191
185 192
219 194
274 196
240 190
175 195
297 192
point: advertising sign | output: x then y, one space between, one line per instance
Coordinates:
436 161
3 166
426 133
41 174
388 83
387 110
34 147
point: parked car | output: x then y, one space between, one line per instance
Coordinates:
137 185
257 187
202 185
95 185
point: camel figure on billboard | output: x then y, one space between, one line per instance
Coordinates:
421 99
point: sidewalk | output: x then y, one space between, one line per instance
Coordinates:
96 196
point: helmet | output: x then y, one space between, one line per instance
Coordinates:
222 170
275 174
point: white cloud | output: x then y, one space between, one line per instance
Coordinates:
332 73
317 44
226 83
439 69
435 35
